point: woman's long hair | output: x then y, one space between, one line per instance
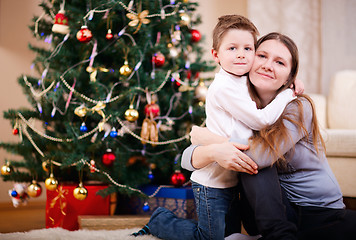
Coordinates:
270 138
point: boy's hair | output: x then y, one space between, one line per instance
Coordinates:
234 21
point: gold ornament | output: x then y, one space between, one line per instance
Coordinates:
51 183
173 51
125 69
6 169
153 166
184 18
34 189
131 114
80 192
81 111
45 165
200 91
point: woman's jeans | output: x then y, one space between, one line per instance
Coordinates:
322 223
212 206
262 193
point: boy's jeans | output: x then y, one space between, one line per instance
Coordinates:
212 206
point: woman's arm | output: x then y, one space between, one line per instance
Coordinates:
202 136
227 155
216 149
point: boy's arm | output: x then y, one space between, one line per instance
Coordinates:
241 107
263 158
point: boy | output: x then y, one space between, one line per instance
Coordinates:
230 113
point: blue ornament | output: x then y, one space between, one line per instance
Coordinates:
14 193
113 133
145 207
150 175
83 128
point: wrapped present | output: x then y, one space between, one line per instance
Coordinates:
179 200
63 209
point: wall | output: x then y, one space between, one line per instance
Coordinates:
15 58
338 39
210 10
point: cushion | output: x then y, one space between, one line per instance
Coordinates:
344 169
340 142
320 108
342 100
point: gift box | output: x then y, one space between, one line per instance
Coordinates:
179 200
63 209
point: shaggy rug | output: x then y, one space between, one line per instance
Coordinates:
62 234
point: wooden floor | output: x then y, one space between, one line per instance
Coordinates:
32 216
23 218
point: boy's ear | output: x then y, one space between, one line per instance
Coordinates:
215 55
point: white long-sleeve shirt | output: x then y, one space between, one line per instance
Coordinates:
232 113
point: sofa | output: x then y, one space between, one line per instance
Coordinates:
336 115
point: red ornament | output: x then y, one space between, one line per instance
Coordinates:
152 110
60 23
15 131
196 36
178 179
109 35
189 75
158 59
84 34
108 158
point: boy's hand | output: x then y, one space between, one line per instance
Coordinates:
298 87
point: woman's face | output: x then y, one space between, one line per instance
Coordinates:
271 67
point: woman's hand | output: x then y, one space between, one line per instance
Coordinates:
202 136
227 155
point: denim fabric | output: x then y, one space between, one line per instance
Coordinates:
322 223
212 206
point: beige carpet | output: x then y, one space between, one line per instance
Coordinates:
62 234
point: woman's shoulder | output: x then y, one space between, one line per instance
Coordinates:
301 105
303 100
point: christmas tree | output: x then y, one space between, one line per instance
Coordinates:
118 92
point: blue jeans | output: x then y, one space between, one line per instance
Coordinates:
321 222
212 206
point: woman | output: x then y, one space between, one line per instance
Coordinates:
315 201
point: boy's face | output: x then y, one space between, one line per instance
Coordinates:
236 52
